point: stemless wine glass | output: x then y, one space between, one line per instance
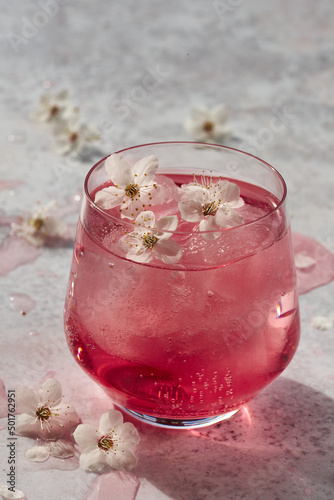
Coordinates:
180 317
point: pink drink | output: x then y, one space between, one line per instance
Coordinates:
194 340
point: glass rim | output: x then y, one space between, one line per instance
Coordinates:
131 222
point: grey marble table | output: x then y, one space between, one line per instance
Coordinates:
135 69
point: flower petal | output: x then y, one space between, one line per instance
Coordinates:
144 170
228 192
146 219
209 224
8 494
168 223
92 458
167 250
191 210
51 392
219 113
27 400
54 227
38 453
23 420
228 218
140 254
129 434
109 421
123 460
109 197
61 449
86 435
119 170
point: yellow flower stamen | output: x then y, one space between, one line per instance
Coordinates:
43 413
105 443
149 240
132 190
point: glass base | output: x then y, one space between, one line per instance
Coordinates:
169 423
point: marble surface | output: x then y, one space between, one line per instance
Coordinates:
264 60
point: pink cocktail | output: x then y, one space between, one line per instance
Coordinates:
182 295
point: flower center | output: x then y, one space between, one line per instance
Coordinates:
38 223
210 208
105 443
131 190
149 240
74 137
208 126
43 413
54 110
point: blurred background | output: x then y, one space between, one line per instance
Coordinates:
136 69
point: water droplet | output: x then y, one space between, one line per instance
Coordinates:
22 303
18 137
210 294
111 265
79 252
33 333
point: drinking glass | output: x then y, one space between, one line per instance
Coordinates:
191 326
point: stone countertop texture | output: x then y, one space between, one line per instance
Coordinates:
135 69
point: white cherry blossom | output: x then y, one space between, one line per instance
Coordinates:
134 186
74 137
208 125
44 414
150 239
109 444
54 107
213 205
41 225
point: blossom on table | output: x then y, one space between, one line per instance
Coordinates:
150 239
58 449
134 185
109 444
8 494
322 322
44 414
213 205
73 137
40 226
208 125
54 107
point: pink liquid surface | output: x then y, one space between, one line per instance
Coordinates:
179 343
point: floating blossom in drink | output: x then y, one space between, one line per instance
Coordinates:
74 137
40 226
134 185
44 414
213 205
150 239
208 125
54 107
109 444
